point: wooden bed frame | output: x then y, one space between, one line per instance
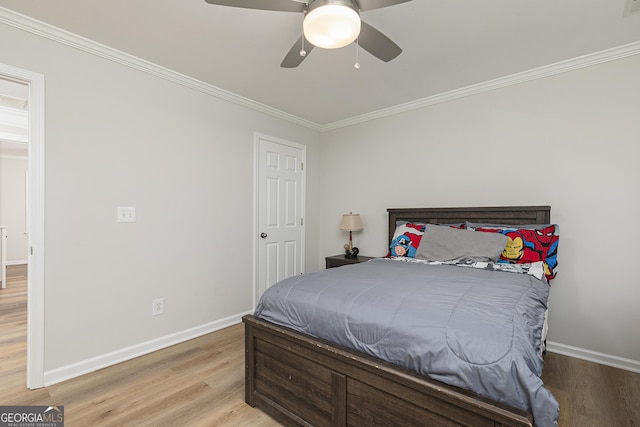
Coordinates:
303 381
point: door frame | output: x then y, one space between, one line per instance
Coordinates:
35 267
257 136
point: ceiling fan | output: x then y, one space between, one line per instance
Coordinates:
328 24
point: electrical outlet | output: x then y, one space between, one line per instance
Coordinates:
157 306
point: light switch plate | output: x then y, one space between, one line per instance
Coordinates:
126 214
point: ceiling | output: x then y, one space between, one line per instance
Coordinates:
448 45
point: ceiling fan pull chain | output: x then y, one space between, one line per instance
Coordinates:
357 64
303 52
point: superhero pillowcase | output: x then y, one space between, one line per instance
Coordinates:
406 239
527 245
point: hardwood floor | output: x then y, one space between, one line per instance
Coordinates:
592 395
201 382
198 383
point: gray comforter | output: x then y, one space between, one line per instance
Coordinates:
476 329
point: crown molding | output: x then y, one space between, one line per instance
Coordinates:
59 35
50 32
513 79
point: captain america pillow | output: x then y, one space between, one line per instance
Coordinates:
406 239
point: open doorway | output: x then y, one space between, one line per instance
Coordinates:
14 134
14 222
22 174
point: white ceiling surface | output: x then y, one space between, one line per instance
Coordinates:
448 45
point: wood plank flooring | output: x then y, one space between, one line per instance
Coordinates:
592 395
198 383
201 382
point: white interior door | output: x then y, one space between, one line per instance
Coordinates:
280 222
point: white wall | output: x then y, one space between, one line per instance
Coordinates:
12 206
116 136
571 141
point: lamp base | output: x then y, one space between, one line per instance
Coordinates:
353 253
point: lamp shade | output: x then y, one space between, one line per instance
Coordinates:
351 222
331 26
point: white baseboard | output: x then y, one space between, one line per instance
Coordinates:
594 356
90 365
19 262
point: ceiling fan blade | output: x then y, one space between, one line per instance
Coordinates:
293 57
377 4
278 5
377 44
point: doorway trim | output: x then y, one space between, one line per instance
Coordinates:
35 267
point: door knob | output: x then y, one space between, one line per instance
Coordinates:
263 235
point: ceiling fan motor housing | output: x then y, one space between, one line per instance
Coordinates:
314 4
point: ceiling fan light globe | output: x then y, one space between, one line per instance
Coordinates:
331 26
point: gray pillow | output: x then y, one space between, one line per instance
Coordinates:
440 243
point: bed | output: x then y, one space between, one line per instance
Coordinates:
300 379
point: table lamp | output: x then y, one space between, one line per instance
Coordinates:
351 222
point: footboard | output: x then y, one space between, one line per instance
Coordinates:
303 381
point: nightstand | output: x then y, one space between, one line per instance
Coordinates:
340 260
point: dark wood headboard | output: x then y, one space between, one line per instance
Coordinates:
494 215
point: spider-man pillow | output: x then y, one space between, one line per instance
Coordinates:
528 244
